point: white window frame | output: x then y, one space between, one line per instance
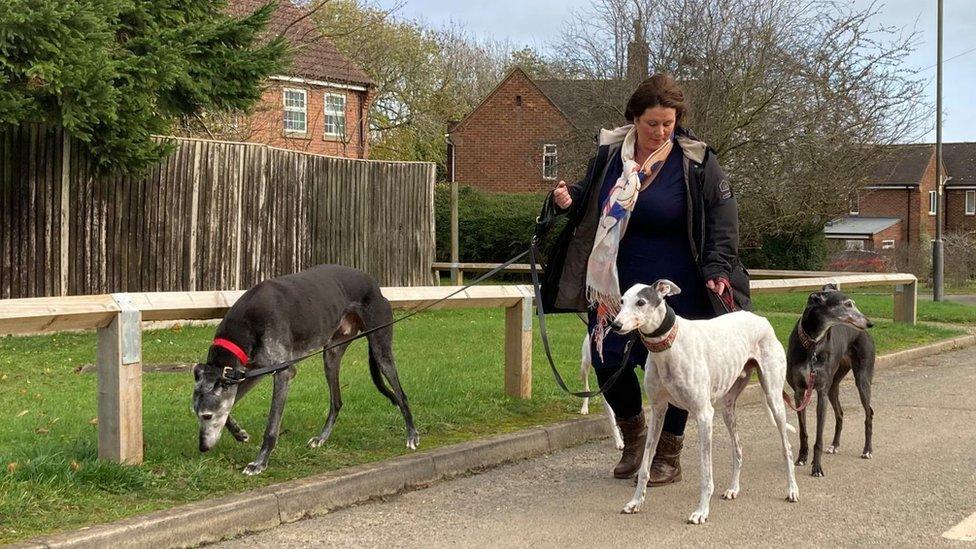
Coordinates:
887 244
330 112
552 153
291 108
855 206
933 202
970 210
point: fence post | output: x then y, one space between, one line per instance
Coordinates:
906 302
120 385
518 347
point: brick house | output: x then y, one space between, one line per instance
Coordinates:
320 106
897 204
528 134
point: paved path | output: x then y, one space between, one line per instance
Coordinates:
921 483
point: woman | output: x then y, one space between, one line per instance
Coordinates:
654 204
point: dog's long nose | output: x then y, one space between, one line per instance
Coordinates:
870 324
615 326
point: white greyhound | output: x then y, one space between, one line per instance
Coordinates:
585 363
692 364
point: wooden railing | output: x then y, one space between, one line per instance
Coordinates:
118 319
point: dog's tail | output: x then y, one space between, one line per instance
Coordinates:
374 372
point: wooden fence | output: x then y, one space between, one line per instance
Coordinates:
213 215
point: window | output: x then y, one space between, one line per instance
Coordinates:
970 202
854 245
335 115
549 162
855 204
295 111
518 100
933 202
887 244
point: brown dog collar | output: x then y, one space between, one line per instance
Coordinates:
664 344
808 342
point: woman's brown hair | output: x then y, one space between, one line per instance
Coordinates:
659 90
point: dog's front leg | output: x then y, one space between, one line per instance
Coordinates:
279 394
235 429
654 427
818 445
707 485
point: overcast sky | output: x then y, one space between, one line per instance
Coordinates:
537 22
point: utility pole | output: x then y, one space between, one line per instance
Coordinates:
938 251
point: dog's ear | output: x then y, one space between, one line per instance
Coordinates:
665 287
832 287
197 371
817 298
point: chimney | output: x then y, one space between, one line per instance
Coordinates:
638 55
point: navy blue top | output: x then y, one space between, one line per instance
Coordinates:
656 245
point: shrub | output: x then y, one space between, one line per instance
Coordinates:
492 227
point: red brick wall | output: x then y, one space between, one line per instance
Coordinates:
891 233
927 184
891 203
956 218
498 147
266 123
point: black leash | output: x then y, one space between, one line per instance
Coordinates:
544 335
543 224
233 376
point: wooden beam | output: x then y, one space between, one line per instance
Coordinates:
815 283
120 390
518 348
56 314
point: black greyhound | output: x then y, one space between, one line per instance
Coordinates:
829 340
285 318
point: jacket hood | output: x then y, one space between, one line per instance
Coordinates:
690 145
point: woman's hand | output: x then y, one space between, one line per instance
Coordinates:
717 285
561 196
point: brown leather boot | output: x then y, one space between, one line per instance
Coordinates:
666 466
634 432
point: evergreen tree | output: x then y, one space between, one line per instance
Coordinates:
113 73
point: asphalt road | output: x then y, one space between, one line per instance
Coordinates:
920 484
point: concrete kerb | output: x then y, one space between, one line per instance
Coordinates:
264 508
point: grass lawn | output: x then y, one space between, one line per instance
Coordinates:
450 363
874 304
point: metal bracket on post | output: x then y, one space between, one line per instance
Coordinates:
130 319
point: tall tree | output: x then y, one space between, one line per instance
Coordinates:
114 73
426 76
796 97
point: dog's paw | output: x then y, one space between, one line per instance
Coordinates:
800 461
254 468
730 494
833 449
817 471
793 495
315 442
866 455
413 441
698 517
631 507
584 410
242 436
618 444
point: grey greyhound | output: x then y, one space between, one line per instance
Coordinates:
828 341
285 318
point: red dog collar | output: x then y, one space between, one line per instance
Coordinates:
233 348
